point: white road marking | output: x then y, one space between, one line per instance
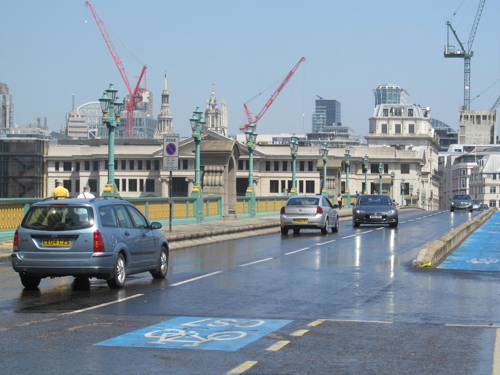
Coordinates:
196 278
296 251
102 305
257 261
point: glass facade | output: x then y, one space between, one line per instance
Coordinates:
390 94
327 114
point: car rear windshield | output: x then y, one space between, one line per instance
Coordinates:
302 201
462 197
58 217
375 201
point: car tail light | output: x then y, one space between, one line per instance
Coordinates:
15 248
282 211
319 210
59 205
98 244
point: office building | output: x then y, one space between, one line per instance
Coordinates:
326 116
6 108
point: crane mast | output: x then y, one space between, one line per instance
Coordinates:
136 93
465 53
271 100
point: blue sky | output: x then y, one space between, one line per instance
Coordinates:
53 49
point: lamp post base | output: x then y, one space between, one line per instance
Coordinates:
110 190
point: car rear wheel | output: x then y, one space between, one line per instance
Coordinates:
284 230
30 282
119 273
324 230
161 269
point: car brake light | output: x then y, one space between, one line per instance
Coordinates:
282 211
319 210
15 248
98 244
58 205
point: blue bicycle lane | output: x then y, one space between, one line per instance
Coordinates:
480 251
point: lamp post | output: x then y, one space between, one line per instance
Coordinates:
111 107
251 137
198 126
392 185
324 152
380 170
366 162
411 195
294 147
418 195
429 203
423 200
402 192
347 169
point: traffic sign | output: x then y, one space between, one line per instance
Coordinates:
171 152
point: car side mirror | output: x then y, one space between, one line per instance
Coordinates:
155 225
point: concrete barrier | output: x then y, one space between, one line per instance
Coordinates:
435 252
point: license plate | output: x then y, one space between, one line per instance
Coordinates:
300 221
375 217
56 242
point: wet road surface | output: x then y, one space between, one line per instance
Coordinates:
347 302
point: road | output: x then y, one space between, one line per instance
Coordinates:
343 303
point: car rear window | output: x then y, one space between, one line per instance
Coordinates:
302 201
58 217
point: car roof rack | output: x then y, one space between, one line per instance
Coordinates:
105 197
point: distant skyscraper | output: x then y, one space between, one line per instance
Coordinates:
216 118
164 125
390 94
6 108
327 114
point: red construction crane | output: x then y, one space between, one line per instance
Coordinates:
271 100
137 93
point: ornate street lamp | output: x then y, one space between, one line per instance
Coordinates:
418 195
429 203
294 147
411 195
251 137
423 200
198 126
402 192
380 171
392 185
347 169
366 164
111 107
324 153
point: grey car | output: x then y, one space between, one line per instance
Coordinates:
308 212
476 205
461 202
102 238
374 209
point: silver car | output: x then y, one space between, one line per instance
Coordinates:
308 212
374 209
102 238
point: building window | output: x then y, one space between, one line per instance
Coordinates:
148 165
276 166
150 185
302 166
56 166
284 166
93 184
106 164
95 165
463 172
309 187
301 187
67 166
310 166
67 185
268 166
411 128
77 166
132 165
240 165
398 112
462 183
141 185
157 165
493 189
273 186
117 183
139 165
124 184
386 112
384 128
410 112
124 165
87 165
494 176
398 128
283 185
405 168
132 184
493 203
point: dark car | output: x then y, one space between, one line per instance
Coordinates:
461 202
102 238
483 207
308 212
374 209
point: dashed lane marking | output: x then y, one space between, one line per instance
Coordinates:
102 304
296 251
196 278
242 368
300 332
257 261
278 346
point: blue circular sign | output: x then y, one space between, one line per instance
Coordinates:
171 149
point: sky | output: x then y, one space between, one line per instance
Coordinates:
53 49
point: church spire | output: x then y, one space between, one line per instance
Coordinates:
164 125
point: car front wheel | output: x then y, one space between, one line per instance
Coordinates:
161 269
119 273
335 228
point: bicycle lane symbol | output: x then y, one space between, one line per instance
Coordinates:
199 333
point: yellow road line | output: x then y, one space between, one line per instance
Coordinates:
300 332
496 355
316 323
278 346
242 368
